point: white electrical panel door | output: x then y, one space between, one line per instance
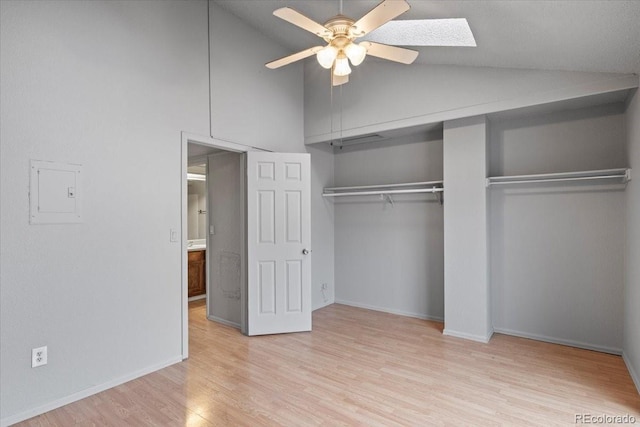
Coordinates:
55 193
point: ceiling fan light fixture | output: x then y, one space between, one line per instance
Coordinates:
356 53
326 56
342 66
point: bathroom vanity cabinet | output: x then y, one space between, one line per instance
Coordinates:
197 273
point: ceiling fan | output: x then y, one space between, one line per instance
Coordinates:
340 33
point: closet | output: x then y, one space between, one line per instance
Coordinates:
556 226
388 225
535 221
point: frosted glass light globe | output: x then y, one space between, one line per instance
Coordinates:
342 66
355 53
326 56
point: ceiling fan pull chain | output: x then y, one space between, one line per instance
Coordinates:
341 115
331 105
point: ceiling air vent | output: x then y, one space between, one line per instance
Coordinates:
360 139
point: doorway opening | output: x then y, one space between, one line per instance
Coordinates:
213 231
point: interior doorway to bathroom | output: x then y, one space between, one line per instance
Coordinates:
213 230
258 272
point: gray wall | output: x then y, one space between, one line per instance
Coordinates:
251 104
322 220
259 107
408 96
557 251
390 258
466 291
226 247
104 84
631 346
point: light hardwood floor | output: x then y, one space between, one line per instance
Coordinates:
360 367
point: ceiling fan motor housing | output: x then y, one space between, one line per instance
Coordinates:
339 26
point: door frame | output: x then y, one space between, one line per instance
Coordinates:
184 163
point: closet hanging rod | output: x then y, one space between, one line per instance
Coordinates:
621 174
371 187
383 192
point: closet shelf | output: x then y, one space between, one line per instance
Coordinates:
622 176
386 190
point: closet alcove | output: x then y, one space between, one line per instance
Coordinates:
555 185
556 226
389 251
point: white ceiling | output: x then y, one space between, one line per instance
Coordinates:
573 35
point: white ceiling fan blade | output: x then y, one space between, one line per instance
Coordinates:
425 32
296 18
293 58
338 80
381 14
392 53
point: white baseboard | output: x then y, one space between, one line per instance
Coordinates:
196 298
478 338
224 321
634 375
390 310
16 418
562 341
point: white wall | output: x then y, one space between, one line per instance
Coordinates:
106 84
557 251
631 343
408 96
390 258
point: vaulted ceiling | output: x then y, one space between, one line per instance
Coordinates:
576 35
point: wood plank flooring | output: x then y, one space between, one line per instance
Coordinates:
360 367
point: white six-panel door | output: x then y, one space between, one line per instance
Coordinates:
278 243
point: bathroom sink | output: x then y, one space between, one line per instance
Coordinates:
196 245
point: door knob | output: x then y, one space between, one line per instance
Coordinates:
305 252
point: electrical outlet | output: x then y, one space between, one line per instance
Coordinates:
38 356
324 286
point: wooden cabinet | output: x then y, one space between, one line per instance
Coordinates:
197 276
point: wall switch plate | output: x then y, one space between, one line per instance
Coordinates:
173 235
38 356
324 286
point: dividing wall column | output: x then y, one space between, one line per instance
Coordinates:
466 259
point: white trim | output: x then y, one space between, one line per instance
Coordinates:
561 341
478 338
634 375
390 310
197 297
217 143
184 286
224 321
50 406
